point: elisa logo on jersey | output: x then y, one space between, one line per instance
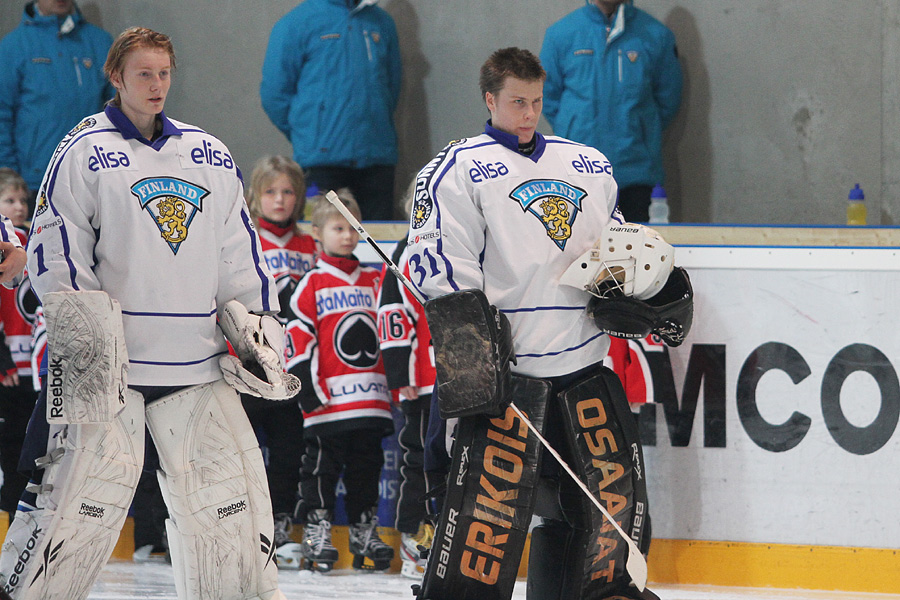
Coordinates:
356 340
101 159
214 158
172 204
486 171
585 166
554 203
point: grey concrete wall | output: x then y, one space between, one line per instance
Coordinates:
787 103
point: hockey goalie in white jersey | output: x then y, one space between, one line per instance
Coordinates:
512 235
143 254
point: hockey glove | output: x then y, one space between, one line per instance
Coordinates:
472 350
669 313
258 341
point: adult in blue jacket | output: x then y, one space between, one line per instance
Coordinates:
614 83
330 83
51 76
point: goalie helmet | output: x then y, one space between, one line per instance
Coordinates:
627 260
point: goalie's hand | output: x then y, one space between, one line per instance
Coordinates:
13 264
272 386
258 341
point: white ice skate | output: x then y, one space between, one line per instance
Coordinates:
411 549
288 553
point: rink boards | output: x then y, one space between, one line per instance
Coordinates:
775 463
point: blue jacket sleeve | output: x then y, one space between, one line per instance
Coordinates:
280 73
553 84
9 99
396 65
668 84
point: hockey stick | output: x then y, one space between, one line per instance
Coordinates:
636 565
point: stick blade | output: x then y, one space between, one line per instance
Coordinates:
636 565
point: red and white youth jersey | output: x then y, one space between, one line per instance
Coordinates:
17 307
630 359
288 255
403 333
332 346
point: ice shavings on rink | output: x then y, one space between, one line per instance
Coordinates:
125 580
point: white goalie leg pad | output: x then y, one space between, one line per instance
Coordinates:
56 551
87 358
213 479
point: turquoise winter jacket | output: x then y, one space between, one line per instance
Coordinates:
331 81
51 76
614 91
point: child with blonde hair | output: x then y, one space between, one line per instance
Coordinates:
276 198
332 346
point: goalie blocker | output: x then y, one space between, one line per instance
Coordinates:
472 351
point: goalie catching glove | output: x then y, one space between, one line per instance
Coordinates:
637 290
258 341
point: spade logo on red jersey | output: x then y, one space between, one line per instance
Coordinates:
356 340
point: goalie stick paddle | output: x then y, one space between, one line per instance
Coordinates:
636 565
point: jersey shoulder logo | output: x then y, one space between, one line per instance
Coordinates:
172 204
423 204
554 203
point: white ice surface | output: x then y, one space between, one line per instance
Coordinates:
125 580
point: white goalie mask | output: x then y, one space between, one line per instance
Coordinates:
628 259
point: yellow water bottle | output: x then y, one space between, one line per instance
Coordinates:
856 207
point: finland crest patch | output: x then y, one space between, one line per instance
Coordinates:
555 203
172 204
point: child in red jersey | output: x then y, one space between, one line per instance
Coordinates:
17 391
332 346
276 198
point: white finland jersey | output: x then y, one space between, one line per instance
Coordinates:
488 217
162 227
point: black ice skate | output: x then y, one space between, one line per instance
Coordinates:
317 552
370 553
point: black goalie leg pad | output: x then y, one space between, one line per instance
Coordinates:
483 526
608 458
472 350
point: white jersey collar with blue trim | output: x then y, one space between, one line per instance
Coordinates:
130 132
510 141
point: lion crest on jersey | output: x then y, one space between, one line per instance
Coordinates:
555 203
172 204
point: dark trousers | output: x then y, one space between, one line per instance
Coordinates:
148 507
16 405
634 203
411 505
373 187
279 427
358 455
